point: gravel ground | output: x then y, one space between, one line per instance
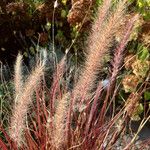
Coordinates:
141 140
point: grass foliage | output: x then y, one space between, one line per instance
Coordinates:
82 117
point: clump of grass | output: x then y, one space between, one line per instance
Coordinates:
53 122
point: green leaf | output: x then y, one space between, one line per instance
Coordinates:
32 50
25 54
144 54
147 95
140 109
63 13
48 26
140 3
64 2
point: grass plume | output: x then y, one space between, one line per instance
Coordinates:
18 77
59 121
24 100
99 44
